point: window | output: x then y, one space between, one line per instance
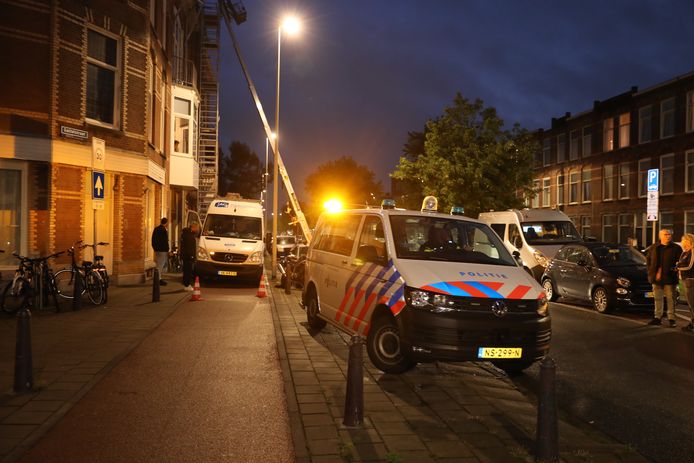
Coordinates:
624 177
608 181
546 151
667 118
585 185
689 221
585 226
535 202
638 228
372 243
573 147
561 147
608 134
667 174
609 234
645 124
103 75
546 192
338 234
11 220
573 187
667 220
624 127
560 189
182 122
690 111
689 172
587 141
626 228
499 228
644 165
156 91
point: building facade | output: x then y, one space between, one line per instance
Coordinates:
98 122
593 165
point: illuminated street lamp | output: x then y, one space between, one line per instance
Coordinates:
291 25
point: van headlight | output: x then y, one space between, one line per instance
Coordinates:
255 258
543 307
621 281
202 253
541 259
434 302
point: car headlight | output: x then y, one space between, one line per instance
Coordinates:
202 253
428 300
255 258
621 281
418 298
543 307
541 258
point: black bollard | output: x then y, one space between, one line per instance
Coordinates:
547 429
155 286
354 400
23 365
77 291
287 281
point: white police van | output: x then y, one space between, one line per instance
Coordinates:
424 286
231 239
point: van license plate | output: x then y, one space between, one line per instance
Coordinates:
499 352
226 273
649 294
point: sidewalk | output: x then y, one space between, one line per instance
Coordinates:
72 351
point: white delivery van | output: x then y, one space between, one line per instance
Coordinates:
537 234
424 286
231 239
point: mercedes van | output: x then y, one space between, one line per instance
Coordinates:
424 286
536 234
231 239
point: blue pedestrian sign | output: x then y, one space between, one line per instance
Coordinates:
652 181
98 185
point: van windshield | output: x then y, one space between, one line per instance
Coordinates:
233 226
451 240
551 232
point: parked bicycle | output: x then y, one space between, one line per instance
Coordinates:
92 282
99 266
174 263
32 285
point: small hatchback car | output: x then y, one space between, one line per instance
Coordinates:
424 286
608 275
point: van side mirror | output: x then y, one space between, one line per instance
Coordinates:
517 257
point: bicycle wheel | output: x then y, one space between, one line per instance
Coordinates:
65 283
94 287
15 296
52 290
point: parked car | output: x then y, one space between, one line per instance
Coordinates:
608 275
285 243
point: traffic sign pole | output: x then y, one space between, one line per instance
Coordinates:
652 185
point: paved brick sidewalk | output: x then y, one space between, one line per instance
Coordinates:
72 351
443 412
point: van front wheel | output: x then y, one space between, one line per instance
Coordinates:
385 348
312 311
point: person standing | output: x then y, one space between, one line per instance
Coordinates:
662 260
686 268
160 244
189 249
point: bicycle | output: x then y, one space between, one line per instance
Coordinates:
98 265
175 265
92 282
33 282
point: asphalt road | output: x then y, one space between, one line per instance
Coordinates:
629 380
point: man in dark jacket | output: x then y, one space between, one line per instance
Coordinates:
189 250
160 244
662 274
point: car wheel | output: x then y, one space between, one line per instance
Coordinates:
385 348
601 301
312 311
548 286
513 367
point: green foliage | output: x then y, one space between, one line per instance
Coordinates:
470 160
344 178
240 172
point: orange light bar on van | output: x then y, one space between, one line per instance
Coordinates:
333 205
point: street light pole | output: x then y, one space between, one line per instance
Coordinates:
265 205
276 168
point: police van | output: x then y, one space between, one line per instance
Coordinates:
424 286
231 239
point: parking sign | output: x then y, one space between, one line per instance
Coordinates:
652 180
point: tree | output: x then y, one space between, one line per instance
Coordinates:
470 160
240 172
352 183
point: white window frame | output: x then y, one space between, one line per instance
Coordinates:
546 192
665 172
608 134
624 130
646 122
574 185
587 141
561 181
535 201
644 165
608 179
605 226
586 225
619 181
667 114
586 187
117 70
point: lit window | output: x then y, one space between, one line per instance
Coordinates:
608 134
560 189
546 192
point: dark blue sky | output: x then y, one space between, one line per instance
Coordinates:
365 72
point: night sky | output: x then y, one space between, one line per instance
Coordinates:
361 74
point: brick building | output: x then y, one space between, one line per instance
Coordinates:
593 165
99 86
